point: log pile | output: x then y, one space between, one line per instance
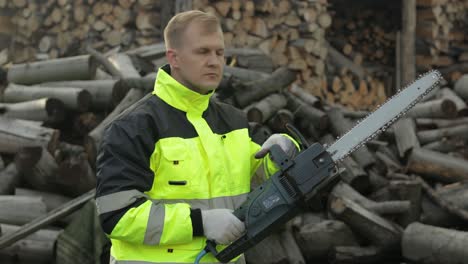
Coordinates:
59 28
361 54
441 40
394 191
291 33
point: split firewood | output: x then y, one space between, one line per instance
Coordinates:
439 166
73 98
430 245
70 68
26 209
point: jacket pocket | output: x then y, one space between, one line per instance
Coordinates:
177 174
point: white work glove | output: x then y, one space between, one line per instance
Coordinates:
221 225
284 142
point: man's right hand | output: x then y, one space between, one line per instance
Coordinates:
221 225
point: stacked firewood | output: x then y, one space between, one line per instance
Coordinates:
292 33
361 54
393 192
440 30
59 28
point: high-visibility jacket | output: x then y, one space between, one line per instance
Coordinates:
174 154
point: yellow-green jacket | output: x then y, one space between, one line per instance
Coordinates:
174 154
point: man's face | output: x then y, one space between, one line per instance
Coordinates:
198 62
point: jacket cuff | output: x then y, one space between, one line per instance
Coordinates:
197 222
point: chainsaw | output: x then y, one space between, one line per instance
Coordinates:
312 171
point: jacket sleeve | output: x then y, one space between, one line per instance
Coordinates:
123 176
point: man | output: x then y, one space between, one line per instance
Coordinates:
171 171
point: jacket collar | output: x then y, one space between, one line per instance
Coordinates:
177 95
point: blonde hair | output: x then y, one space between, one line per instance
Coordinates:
178 23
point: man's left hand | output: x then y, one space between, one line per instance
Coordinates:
284 142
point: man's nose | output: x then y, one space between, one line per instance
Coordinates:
213 59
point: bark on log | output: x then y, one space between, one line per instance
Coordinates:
268 251
461 87
356 255
101 91
448 93
38 168
341 62
442 167
49 110
341 125
405 136
256 90
330 233
279 120
446 145
9 178
291 248
354 175
71 68
447 205
245 75
427 136
305 96
146 84
444 108
16 134
73 98
51 200
409 190
104 62
377 230
94 137
75 175
26 209
46 219
36 248
315 116
124 64
262 110
430 245
440 123
260 133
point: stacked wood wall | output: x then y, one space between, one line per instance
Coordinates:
441 34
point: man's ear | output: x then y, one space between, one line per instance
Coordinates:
172 58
